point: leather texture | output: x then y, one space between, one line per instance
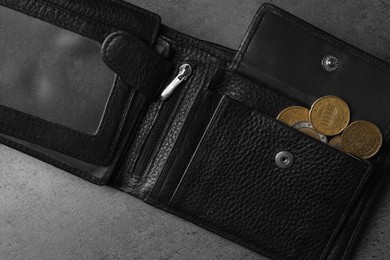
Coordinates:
91 18
169 119
259 97
290 61
72 148
98 174
137 63
234 184
97 148
264 97
206 160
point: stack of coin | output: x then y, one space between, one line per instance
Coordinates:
329 116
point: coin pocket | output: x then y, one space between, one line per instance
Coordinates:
271 187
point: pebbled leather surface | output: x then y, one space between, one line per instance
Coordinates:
126 179
87 28
137 63
263 57
233 184
181 154
175 126
290 61
96 19
257 96
201 56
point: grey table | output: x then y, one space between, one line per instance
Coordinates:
49 214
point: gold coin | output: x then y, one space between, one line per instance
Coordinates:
336 143
293 115
362 138
307 128
329 115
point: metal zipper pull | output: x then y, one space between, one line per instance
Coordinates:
185 71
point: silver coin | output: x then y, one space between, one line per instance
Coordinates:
302 125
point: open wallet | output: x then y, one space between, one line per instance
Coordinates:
104 91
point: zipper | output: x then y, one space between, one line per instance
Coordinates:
169 98
185 71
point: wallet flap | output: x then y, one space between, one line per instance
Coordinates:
288 54
234 183
135 62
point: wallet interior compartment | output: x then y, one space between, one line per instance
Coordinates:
293 57
42 66
162 125
257 96
234 186
56 92
60 102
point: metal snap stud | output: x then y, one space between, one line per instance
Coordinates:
330 63
284 160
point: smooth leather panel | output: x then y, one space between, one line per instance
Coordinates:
52 73
92 172
101 146
286 53
88 171
234 184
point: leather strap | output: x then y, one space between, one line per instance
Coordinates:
136 63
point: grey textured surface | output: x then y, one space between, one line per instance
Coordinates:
46 213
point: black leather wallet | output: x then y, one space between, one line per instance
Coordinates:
189 126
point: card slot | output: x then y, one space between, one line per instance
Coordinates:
58 94
160 128
258 96
234 186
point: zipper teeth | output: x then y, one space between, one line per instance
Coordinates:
155 191
155 134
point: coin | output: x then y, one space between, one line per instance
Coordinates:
293 115
329 115
307 128
362 139
336 143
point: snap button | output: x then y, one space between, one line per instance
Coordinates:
284 160
330 63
